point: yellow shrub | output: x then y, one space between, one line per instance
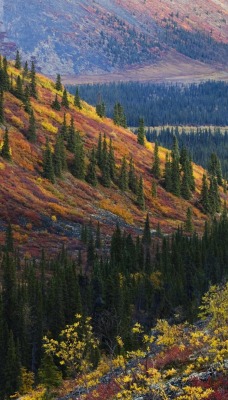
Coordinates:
17 121
49 127
119 210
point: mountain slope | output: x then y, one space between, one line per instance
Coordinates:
46 213
91 37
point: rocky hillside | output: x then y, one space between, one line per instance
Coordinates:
73 37
41 211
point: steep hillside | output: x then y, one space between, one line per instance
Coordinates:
45 213
84 37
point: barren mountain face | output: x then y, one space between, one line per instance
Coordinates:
77 37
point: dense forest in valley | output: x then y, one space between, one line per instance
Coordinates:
200 142
143 279
163 104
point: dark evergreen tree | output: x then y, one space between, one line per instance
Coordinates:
112 163
33 89
98 237
4 81
59 156
214 168
48 373
132 180
188 223
78 167
63 129
168 174
154 189
105 166
18 60
123 177
100 109
58 83
119 117
25 69
31 132
5 152
146 238
140 194
65 102
141 132
19 92
9 239
71 138
214 197
1 107
175 168
56 104
12 367
99 151
26 100
204 196
77 100
156 164
91 176
48 169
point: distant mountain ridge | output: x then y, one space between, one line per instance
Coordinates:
78 37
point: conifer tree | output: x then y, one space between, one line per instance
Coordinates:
12 367
123 177
98 237
132 180
77 100
56 104
26 100
175 168
119 117
33 90
5 152
99 151
48 373
59 156
91 176
185 187
105 166
65 102
154 189
58 83
168 174
156 164
48 169
31 133
17 60
204 196
214 168
140 194
63 129
112 163
19 92
146 239
9 245
141 132
100 109
214 197
25 69
71 139
5 82
1 107
189 224
78 167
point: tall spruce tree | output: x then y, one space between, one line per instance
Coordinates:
17 60
5 152
204 195
112 163
63 129
31 132
141 132
175 168
33 89
25 69
140 194
99 151
188 223
168 174
123 176
58 83
71 138
56 104
78 167
65 101
26 100
132 180
146 238
1 107
77 100
156 164
105 165
59 156
48 169
91 176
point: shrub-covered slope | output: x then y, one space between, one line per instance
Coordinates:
41 210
